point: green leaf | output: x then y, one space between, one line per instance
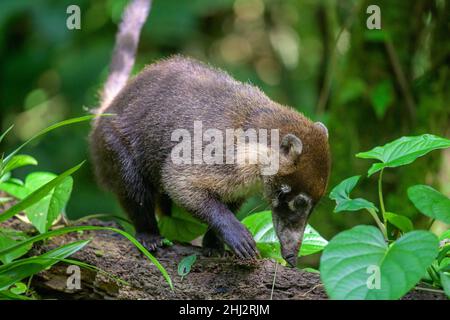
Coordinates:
403 223
14 188
354 258
341 194
16 271
180 226
18 161
43 213
430 202
9 237
443 253
37 195
261 227
445 282
18 288
185 265
8 295
445 235
62 231
403 151
382 97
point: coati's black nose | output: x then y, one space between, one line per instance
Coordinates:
291 259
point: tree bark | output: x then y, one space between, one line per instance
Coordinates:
210 277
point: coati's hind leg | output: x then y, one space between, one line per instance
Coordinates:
118 172
143 217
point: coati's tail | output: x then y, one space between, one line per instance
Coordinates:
123 56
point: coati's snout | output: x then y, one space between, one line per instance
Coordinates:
290 214
302 181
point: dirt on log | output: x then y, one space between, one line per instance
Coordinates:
210 277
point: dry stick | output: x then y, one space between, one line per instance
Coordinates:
312 289
274 277
401 78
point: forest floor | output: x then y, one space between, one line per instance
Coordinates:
210 277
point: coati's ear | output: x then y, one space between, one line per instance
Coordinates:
291 147
322 127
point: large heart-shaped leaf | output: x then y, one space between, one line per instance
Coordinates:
403 151
341 194
430 202
356 259
261 227
180 226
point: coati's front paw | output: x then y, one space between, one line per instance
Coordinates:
150 241
240 241
212 245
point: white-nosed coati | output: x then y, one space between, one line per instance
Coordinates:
131 151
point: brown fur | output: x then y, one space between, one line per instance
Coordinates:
131 151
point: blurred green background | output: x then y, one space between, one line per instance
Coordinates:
368 86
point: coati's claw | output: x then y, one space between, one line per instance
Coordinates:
149 241
241 242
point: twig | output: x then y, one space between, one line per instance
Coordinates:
274 277
325 92
401 78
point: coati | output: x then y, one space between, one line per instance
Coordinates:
131 150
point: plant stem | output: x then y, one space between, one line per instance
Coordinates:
429 290
380 196
378 222
274 277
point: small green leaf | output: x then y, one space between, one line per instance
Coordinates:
403 223
341 194
430 202
18 288
403 151
180 226
37 195
261 227
14 189
9 237
443 253
185 265
354 260
18 161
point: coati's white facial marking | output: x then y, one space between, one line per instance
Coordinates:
285 188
